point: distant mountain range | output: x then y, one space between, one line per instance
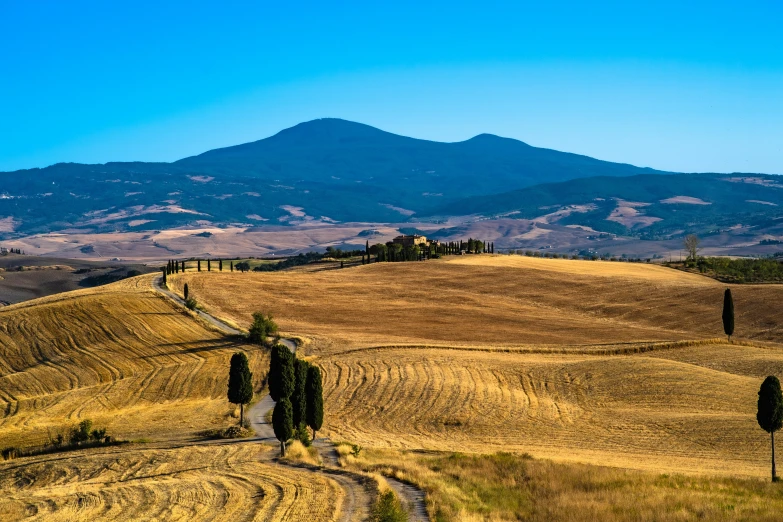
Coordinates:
336 171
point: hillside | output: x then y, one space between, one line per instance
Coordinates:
606 363
320 171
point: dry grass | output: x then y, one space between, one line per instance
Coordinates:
651 411
498 301
214 482
120 355
507 487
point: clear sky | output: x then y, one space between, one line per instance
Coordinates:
685 85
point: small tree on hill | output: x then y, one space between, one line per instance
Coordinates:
770 412
209 265
263 327
315 399
184 265
299 396
220 265
691 244
185 291
283 423
240 383
164 277
199 265
232 266
281 378
728 313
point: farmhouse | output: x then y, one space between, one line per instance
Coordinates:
409 241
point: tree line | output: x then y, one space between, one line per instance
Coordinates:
393 252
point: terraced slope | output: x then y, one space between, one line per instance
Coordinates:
651 411
121 355
490 301
225 482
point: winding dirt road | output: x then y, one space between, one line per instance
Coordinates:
358 489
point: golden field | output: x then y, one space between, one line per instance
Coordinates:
489 301
510 353
208 482
578 363
121 355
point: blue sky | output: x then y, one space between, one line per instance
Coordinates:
686 86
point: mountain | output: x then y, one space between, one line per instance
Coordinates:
324 170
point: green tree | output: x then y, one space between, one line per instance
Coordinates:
263 326
315 399
232 266
770 412
199 265
281 378
728 313
240 383
164 277
209 265
283 422
299 396
185 291
220 265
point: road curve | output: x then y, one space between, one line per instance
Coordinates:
356 502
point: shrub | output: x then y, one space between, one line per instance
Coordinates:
263 327
388 509
81 433
191 303
302 435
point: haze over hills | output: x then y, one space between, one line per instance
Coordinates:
332 172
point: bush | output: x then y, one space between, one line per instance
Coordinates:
81 433
388 509
191 303
302 434
263 326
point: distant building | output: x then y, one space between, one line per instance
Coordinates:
410 241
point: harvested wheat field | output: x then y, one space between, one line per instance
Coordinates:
648 411
121 355
609 363
489 301
209 482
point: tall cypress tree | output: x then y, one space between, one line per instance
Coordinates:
209 265
728 313
185 291
184 266
299 396
164 276
199 265
281 373
232 266
240 383
315 399
770 412
220 265
283 422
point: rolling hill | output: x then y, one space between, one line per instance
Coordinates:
324 171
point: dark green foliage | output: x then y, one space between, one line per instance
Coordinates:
185 291
770 405
164 277
728 313
220 265
232 266
770 412
315 399
184 265
299 395
289 262
191 303
240 383
388 509
283 422
262 328
281 380
302 435
209 265
199 265
741 270
81 433
243 266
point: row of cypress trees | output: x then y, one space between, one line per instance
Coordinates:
175 267
297 389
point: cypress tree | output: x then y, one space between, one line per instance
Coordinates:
299 397
185 291
770 412
281 373
283 422
209 265
728 313
240 383
232 266
315 399
220 265
176 267
199 265
184 266
164 276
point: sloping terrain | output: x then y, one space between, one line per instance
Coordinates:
225 482
318 171
120 355
490 301
608 363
